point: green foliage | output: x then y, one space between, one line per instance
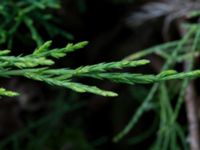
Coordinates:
170 131
37 65
45 129
17 15
4 92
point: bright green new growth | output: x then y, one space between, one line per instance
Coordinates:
36 66
4 92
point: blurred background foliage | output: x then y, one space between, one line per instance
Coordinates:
48 118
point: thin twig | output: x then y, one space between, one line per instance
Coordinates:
191 108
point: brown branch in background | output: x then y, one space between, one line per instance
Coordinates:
191 108
192 113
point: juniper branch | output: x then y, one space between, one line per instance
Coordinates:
37 66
